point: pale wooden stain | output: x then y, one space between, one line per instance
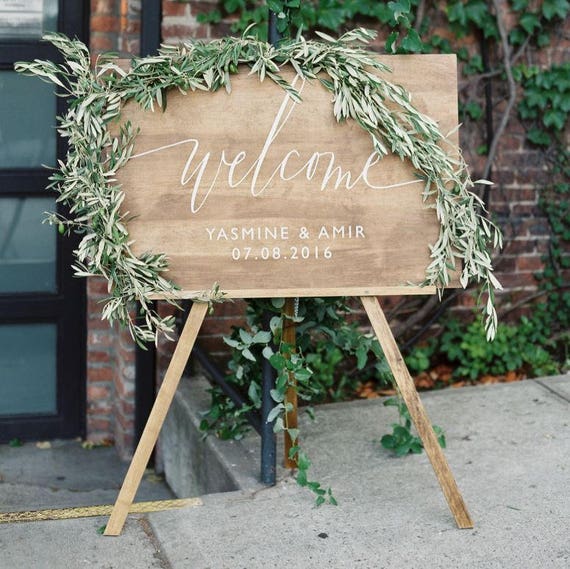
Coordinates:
377 239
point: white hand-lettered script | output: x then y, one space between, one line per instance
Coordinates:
204 172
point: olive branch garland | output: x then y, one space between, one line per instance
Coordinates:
86 181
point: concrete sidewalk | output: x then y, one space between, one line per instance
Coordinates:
508 446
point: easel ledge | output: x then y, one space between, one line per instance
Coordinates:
302 292
395 361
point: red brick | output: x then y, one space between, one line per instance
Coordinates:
171 8
504 177
102 7
100 374
529 263
505 263
502 209
126 356
100 43
98 356
177 31
512 142
517 195
99 409
124 389
124 422
97 323
524 160
127 408
97 392
97 425
100 338
525 210
104 23
97 285
518 246
132 27
516 280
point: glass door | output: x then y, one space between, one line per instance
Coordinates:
42 307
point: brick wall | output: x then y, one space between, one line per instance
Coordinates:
115 26
517 172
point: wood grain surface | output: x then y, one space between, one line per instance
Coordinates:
260 194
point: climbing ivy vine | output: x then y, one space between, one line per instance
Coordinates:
539 94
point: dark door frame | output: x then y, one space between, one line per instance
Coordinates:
145 360
65 307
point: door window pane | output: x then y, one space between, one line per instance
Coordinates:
27 246
27 122
28 369
27 19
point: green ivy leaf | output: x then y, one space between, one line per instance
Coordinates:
474 110
361 356
278 303
231 343
267 352
253 393
555 119
519 5
530 22
278 362
390 44
555 8
412 42
262 337
277 395
279 426
275 412
294 434
539 137
248 355
303 461
399 9
246 338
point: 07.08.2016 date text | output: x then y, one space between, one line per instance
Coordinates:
291 253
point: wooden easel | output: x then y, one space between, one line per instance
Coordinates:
176 368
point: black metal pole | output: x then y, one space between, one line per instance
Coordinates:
273 36
145 384
268 438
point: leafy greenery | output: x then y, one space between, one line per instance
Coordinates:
545 108
86 181
515 347
402 441
410 30
331 358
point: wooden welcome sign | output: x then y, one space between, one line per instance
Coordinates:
270 198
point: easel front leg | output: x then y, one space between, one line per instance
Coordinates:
417 412
156 418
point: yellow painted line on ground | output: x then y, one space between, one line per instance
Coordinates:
93 511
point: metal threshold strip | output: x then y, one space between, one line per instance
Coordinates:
94 511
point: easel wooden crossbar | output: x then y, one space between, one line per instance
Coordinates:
176 368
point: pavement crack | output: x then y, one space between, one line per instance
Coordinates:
158 553
553 391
